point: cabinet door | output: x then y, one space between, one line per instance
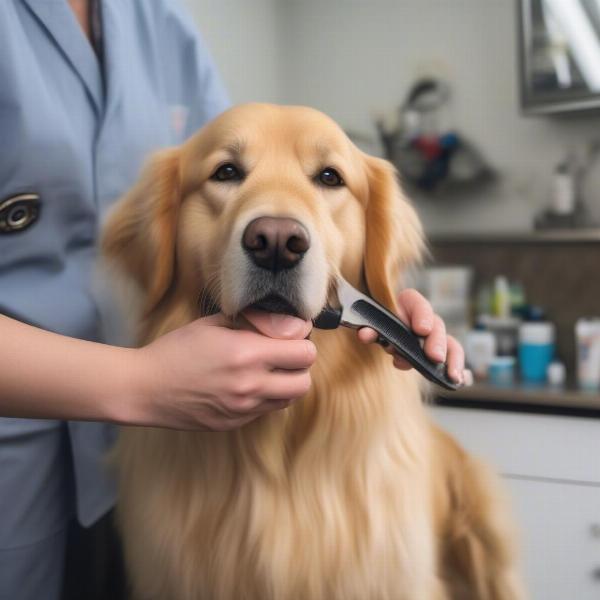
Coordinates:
560 538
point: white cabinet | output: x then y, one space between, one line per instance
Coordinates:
559 544
564 448
551 467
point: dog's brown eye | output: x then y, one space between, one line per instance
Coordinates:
330 177
227 172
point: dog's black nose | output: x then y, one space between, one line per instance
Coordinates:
275 243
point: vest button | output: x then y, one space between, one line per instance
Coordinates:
17 213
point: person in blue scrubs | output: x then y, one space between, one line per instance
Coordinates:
89 88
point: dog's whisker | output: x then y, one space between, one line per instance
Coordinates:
206 301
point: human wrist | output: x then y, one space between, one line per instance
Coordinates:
130 399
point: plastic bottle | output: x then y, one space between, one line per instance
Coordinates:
536 350
587 336
564 192
501 297
480 350
556 374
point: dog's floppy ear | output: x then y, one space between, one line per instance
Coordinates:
139 234
394 236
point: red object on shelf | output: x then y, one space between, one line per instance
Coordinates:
430 147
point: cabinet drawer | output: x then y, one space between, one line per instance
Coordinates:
559 538
543 446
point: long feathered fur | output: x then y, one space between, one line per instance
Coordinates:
350 494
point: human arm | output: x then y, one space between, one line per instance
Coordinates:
201 376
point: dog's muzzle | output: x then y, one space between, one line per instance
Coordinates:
275 263
275 247
275 243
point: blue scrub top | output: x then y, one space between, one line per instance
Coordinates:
76 135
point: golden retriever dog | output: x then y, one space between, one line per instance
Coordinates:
351 493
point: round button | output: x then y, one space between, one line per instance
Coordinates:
17 213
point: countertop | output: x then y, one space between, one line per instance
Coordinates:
589 235
568 398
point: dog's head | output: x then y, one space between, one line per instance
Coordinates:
264 206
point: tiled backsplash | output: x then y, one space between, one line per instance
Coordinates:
562 277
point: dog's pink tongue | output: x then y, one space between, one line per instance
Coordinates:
278 325
286 325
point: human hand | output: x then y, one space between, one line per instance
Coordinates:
416 312
206 376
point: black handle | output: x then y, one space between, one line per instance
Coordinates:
404 341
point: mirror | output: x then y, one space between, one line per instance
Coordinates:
559 55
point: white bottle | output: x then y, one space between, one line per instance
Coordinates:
587 336
556 374
480 349
564 193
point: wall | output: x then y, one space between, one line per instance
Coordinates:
243 36
353 59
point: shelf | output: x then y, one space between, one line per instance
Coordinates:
529 395
554 236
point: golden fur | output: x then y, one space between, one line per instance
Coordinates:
349 494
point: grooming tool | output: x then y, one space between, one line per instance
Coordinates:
357 310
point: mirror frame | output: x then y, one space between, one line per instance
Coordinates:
533 103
